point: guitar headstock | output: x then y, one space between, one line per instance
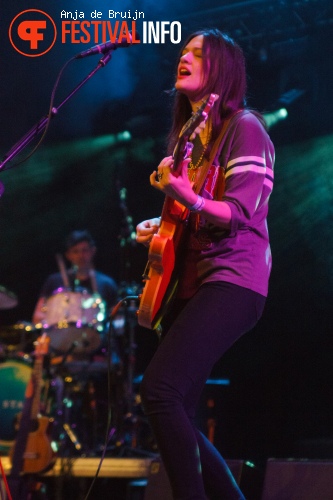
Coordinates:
199 116
42 345
182 147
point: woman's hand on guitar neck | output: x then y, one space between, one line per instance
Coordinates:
178 186
146 229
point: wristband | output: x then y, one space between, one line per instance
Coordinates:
198 205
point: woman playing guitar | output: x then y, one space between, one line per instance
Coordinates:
220 190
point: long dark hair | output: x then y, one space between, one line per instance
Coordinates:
224 67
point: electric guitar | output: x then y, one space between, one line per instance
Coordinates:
160 275
32 451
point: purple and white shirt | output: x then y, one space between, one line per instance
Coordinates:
241 254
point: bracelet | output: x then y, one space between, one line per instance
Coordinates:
198 205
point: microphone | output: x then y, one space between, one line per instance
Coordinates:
102 48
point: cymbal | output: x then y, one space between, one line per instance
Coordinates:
18 333
7 299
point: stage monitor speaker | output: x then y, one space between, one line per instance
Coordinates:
298 479
246 475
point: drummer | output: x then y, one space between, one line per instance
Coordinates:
80 250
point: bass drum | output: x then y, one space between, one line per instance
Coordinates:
74 321
14 377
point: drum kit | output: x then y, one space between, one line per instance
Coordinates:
88 373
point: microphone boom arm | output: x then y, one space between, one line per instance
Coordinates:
40 126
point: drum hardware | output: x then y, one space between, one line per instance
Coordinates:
78 400
77 383
76 415
18 336
15 373
77 410
74 322
64 399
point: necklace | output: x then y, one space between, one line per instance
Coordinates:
193 168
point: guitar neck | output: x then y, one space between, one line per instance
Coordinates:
37 382
183 151
183 148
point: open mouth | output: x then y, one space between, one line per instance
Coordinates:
184 72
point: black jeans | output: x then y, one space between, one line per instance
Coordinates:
210 322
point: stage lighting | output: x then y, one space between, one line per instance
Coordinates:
274 117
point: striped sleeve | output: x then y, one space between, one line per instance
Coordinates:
255 164
249 172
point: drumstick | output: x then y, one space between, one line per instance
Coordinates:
62 269
93 281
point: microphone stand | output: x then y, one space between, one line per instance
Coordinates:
40 126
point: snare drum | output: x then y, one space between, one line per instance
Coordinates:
74 320
14 377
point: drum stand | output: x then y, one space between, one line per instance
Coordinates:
125 425
64 403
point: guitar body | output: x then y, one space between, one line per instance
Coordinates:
161 281
38 455
165 247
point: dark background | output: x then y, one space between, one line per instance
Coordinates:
279 400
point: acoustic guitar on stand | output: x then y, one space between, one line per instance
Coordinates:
32 452
160 275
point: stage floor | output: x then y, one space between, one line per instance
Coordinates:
87 467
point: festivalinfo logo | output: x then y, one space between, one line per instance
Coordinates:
33 32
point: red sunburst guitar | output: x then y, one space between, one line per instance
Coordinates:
160 276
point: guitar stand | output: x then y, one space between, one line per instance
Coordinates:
27 487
